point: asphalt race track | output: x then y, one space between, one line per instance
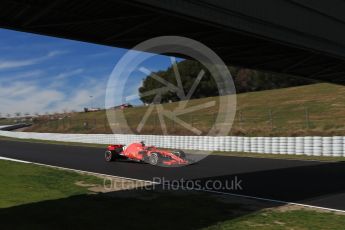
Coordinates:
307 182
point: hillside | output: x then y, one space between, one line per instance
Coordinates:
245 80
317 109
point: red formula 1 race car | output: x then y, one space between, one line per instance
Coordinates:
140 153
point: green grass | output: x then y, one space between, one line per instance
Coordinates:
27 183
37 197
326 109
273 220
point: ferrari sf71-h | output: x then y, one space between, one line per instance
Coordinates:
150 154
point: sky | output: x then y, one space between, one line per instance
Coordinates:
41 74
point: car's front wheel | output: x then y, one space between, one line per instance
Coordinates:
108 156
179 153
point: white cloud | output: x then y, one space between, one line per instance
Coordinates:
69 74
21 76
26 98
55 53
32 97
10 64
33 75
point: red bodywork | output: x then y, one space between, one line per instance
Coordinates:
140 152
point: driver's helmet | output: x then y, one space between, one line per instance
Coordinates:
142 143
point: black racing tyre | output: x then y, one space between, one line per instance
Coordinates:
109 156
153 159
179 153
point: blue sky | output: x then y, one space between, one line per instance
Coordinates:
41 74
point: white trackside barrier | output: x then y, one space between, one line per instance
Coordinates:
343 146
254 144
218 143
227 144
299 145
313 146
233 143
275 145
239 146
317 146
327 146
260 145
291 145
246 144
282 145
267 145
308 146
337 146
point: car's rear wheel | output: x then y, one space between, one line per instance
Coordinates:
108 156
153 159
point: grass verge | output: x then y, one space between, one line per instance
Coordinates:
26 183
37 197
275 220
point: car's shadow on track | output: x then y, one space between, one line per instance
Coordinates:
321 184
124 160
311 183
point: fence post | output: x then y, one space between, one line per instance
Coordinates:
173 125
306 113
271 118
155 124
240 118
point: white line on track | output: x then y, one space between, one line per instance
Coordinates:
11 159
201 190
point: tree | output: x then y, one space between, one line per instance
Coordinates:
189 71
245 80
